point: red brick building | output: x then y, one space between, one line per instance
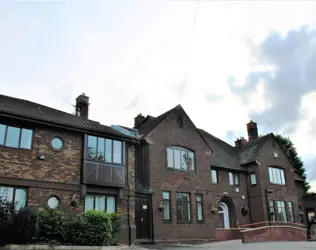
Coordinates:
52 159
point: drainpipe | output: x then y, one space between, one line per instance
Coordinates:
128 200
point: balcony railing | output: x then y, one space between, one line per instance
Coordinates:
103 174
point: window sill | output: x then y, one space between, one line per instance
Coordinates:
181 170
184 222
22 149
277 184
200 222
104 163
167 221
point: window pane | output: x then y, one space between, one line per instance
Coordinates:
214 176
117 152
231 180
108 154
253 179
99 203
101 143
199 211
184 160
2 133
165 195
26 138
275 175
179 211
6 193
170 157
270 175
179 196
177 163
186 211
110 205
198 198
166 211
278 174
13 136
92 147
20 198
88 205
185 197
191 161
236 176
282 176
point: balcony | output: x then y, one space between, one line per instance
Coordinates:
103 174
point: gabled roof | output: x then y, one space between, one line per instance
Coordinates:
20 108
224 155
251 150
152 123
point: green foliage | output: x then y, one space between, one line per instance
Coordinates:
24 226
51 225
116 219
90 228
288 147
6 209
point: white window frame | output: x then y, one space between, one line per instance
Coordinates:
171 163
277 175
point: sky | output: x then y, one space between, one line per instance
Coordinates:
225 62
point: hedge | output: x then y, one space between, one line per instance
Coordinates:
92 228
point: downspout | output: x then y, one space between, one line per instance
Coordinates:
268 206
128 199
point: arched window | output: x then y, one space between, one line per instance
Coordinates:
181 159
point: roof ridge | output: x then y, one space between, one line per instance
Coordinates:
204 131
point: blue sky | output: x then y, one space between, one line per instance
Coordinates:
226 62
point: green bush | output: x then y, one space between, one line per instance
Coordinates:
6 209
24 227
51 225
116 225
90 228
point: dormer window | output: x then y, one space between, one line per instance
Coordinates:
180 159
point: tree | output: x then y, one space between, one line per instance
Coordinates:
288 147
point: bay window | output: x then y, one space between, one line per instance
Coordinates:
105 150
281 212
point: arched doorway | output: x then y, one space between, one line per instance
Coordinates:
223 213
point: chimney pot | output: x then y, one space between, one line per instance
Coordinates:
82 106
138 120
240 142
252 130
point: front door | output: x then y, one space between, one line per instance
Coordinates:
142 218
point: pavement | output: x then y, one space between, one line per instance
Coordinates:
238 245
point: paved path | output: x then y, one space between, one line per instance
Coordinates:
237 245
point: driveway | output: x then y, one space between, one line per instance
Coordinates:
237 245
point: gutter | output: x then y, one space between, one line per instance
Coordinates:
51 124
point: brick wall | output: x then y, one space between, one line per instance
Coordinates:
228 234
274 233
169 133
235 193
63 166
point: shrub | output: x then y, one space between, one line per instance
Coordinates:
92 228
6 210
24 227
116 225
51 225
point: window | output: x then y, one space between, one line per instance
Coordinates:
183 207
15 195
199 207
276 176
271 210
253 179
214 176
57 144
233 179
100 203
290 211
15 137
180 158
281 213
105 150
53 202
166 205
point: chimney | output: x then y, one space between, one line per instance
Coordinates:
240 142
252 131
138 120
82 106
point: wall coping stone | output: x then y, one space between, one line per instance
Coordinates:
258 228
61 247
